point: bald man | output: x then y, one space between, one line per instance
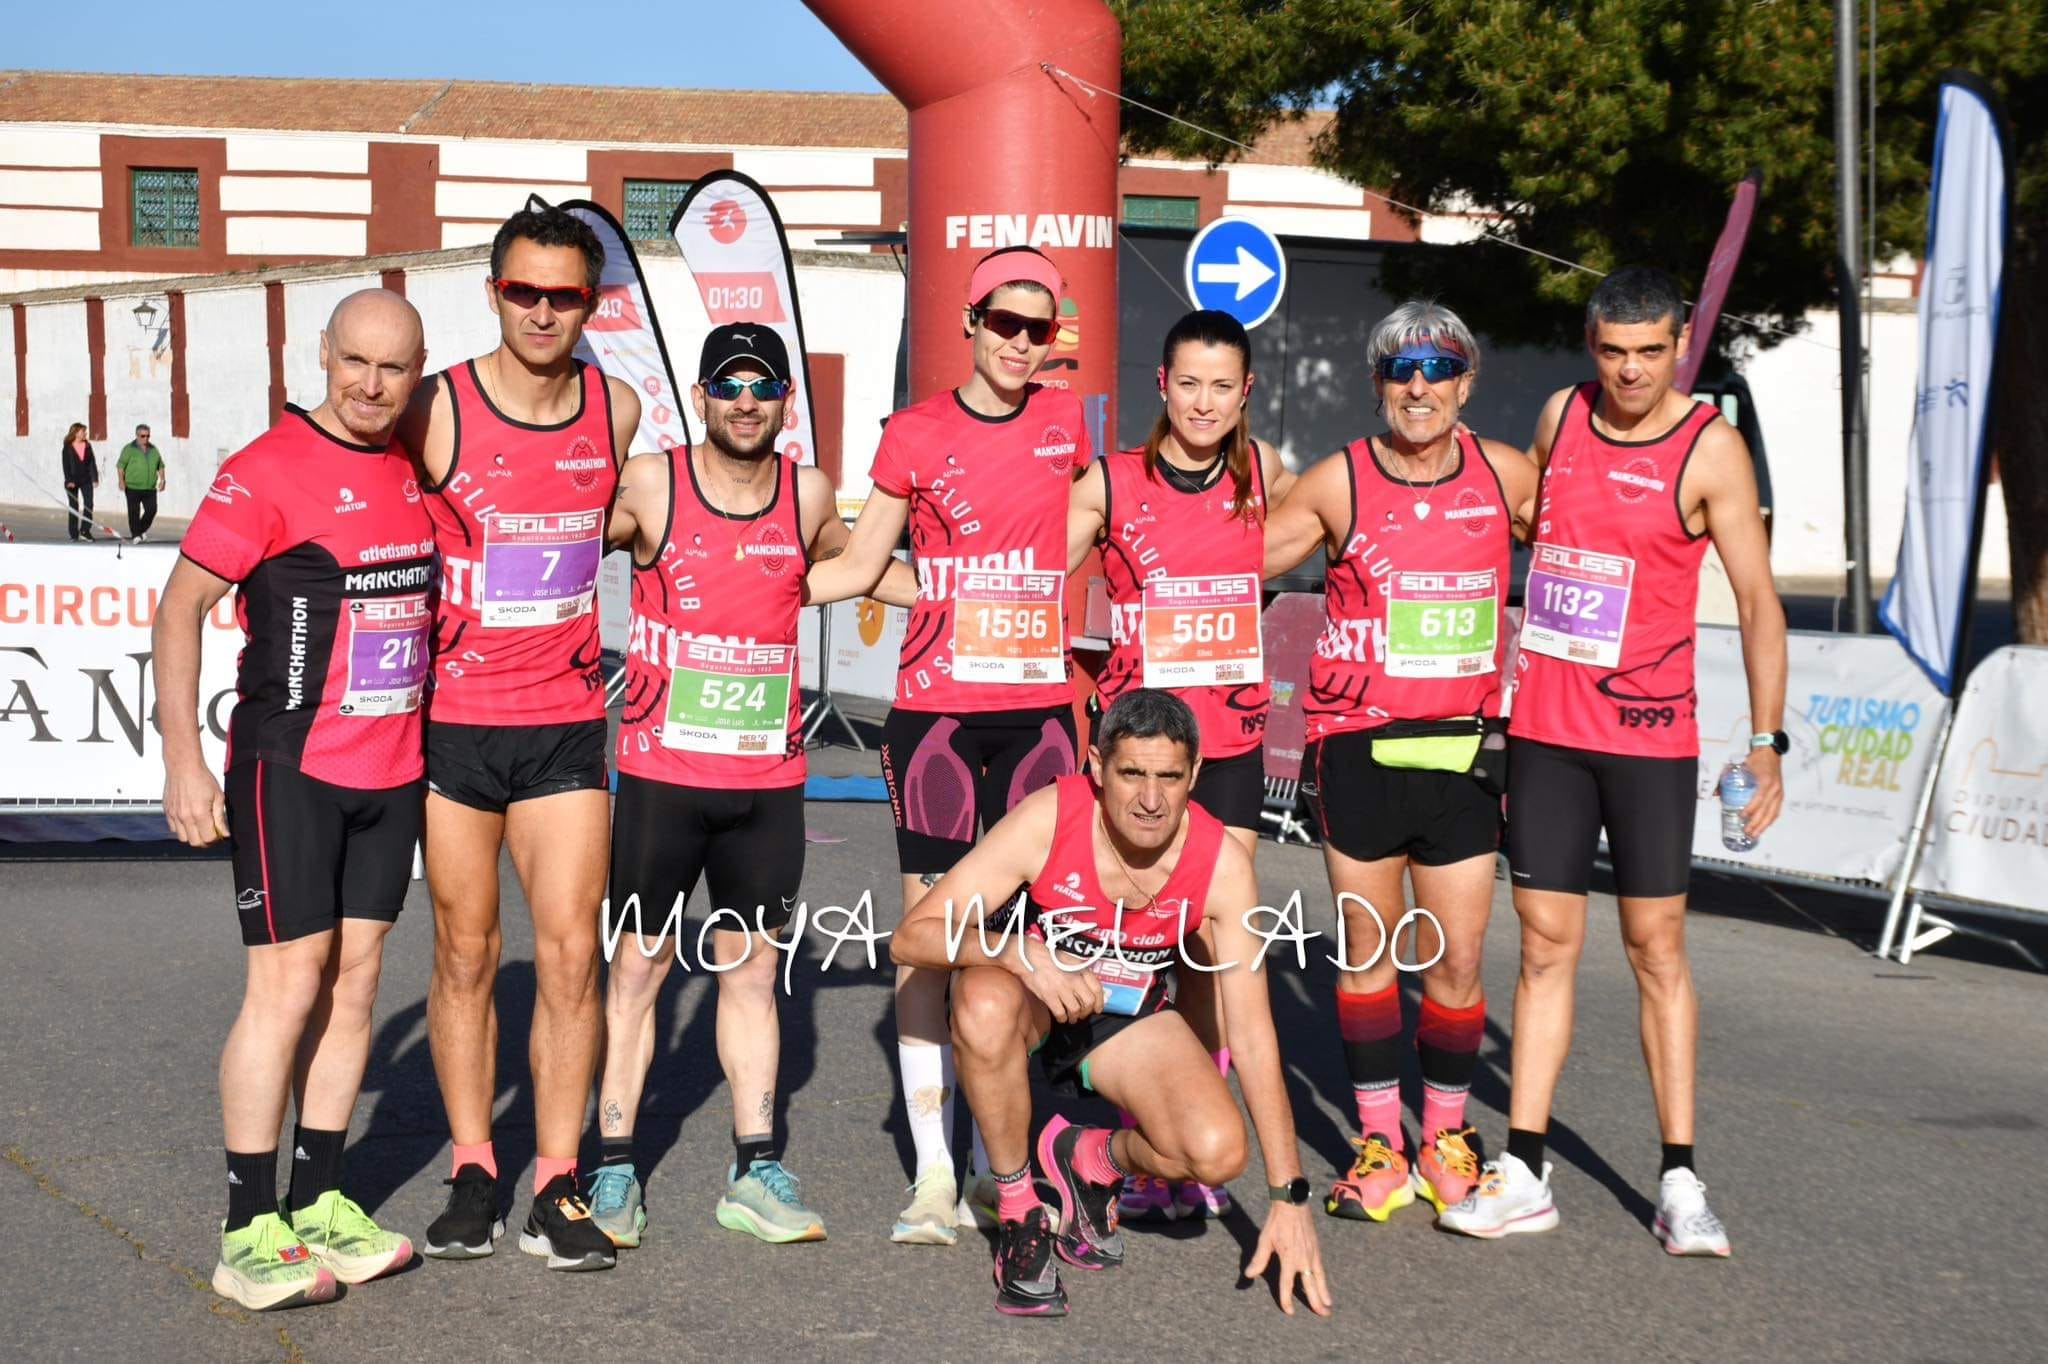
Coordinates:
318 522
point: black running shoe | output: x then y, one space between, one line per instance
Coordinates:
470 1223
560 1228
1088 1237
1027 1276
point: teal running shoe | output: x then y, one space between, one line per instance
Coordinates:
616 1206
764 1202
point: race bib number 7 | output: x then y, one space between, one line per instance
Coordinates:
1009 626
1202 632
540 568
729 698
1575 605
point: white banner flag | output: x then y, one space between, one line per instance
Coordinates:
77 697
1863 722
732 241
623 337
1959 297
1988 833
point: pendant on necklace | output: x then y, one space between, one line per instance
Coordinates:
1422 511
739 551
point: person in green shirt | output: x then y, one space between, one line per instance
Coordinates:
141 471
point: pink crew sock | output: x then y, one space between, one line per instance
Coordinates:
1222 1060
479 1154
1126 1118
1016 1195
1379 1110
547 1168
1443 1110
1092 1160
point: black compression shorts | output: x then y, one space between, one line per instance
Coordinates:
1063 1054
952 776
1560 798
488 767
308 854
1368 812
747 845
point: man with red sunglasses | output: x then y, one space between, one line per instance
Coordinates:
518 451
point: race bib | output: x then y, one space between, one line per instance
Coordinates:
729 698
1124 986
1442 624
1202 632
1008 626
540 568
1575 605
387 654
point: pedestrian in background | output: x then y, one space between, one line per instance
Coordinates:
81 476
141 471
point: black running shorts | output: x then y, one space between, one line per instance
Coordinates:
952 776
1064 1053
488 767
1560 798
1368 812
308 854
747 845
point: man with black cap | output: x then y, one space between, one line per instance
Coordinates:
711 761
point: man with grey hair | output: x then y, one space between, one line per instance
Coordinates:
1403 764
318 522
1636 477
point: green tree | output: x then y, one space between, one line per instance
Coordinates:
1613 131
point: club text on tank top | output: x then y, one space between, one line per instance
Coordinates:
988 536
1066 903
1608 632
1182 570
335 561
1415 628
519 520
711 643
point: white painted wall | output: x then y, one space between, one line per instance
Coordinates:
293 194
298 152
52 188
774 168
514 160
50 229
275 237
138 377
1350 223
20 146
57 396
498 200
227 376
1293 185
307 305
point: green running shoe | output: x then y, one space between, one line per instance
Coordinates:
764 1202
342 1237
616 1206
264 1265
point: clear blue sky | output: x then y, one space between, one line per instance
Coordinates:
750 45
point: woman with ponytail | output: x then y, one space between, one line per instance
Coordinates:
1181 524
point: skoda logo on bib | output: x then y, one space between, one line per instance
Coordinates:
1237 267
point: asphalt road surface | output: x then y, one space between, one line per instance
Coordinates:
1869 1133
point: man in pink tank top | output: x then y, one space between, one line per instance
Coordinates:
1636 477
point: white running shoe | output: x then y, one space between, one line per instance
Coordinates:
1684 1223
930 1220
977 1206
1508 1198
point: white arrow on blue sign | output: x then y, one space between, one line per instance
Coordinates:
1237 267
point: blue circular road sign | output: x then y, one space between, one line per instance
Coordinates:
1237 267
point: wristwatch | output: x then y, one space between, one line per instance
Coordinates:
1777 741
1294 1191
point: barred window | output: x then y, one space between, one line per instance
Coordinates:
1159 210
165 207
649 206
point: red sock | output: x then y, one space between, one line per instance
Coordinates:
1016 1195
1092 1160
547 1168
1371 1026
479 1154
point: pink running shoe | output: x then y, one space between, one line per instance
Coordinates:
1448 1167
1146 1198
1376 1185
1196 1200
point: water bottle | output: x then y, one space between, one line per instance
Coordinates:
1738 784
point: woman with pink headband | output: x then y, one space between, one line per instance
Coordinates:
983 713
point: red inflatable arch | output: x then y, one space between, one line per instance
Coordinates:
1003 153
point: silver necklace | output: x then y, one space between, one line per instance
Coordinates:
1421 501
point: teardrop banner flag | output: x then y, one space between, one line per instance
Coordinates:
1720 270
623 337
733 244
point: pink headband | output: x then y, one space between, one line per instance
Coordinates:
1013 267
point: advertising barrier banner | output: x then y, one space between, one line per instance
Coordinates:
1863 720
77 699
1988 830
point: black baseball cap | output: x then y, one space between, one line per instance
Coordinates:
755 343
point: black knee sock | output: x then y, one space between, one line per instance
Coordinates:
316 1164
614 1151
252 1186
1677 1156
747 1150
1527 1147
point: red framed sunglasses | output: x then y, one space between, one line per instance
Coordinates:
562 298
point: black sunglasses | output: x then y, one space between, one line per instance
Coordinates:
1006 324
1399 369
764 390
